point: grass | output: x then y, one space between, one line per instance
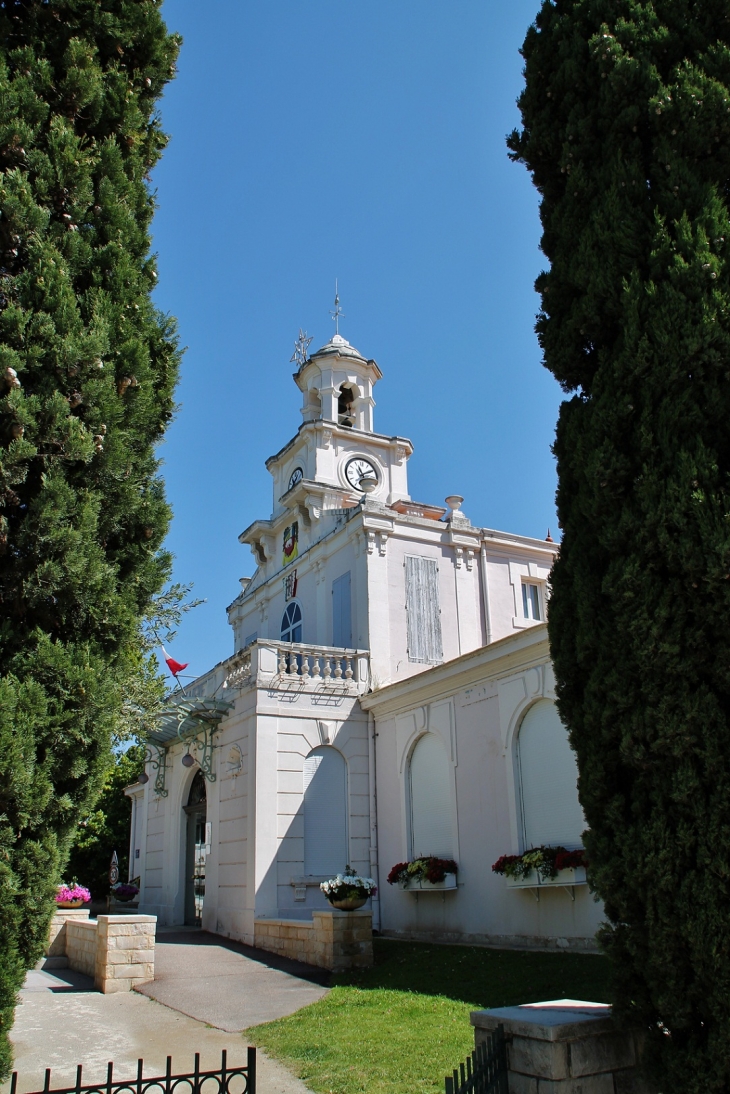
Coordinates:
399 1027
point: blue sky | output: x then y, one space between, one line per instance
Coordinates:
364 142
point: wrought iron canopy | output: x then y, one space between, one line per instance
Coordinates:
192 721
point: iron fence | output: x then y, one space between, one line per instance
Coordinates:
485 1071
224 1080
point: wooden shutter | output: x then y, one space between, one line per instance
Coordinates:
325 812
551 812
422 609
432 825
342 612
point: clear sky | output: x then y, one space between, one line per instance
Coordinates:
363 141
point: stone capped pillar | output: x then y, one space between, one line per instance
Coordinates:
125 952
565 1046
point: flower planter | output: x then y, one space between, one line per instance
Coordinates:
420 885
69 903
350 905
574 876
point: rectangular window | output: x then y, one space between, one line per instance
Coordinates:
251 638
531 601
423 611
342 612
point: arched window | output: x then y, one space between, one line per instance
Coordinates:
325 812
548 774
291 623
432 820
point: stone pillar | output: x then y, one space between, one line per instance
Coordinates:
565 1047
342 940
56 957
125 952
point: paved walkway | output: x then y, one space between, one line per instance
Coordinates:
204 982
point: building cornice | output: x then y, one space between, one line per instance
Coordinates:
498 659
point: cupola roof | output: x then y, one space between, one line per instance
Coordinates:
340 346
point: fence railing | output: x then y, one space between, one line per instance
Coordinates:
224 1080
485 1071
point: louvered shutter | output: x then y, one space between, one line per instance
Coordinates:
422 610
325 812
551 812
342 612
432 827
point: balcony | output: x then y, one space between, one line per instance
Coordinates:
295 666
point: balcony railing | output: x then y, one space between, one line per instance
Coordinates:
289 665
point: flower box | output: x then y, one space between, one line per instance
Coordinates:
423 886
573 876
529 881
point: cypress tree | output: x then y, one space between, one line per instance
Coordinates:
87 371
626 131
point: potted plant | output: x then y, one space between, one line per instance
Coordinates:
124 891
348 891
72 896
543 865
425 873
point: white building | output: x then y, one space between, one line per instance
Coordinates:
389 696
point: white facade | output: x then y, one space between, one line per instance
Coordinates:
357 591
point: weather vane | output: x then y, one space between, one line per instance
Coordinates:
299 356
338 313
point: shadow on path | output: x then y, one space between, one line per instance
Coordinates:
227 984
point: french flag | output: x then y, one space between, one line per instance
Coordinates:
174 666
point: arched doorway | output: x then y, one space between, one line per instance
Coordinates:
196 811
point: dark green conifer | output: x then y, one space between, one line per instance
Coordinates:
626 115
87 371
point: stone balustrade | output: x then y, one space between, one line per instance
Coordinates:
117 950
268 663
331 939
565 1046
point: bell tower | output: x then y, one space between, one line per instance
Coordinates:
337 386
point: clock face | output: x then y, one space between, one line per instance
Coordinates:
357 468
296 476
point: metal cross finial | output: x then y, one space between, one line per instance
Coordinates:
301 346
338 313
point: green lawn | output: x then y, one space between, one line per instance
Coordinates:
399 1027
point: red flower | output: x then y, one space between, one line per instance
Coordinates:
502 863
398 870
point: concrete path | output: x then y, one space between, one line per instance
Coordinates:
61 1021
229 985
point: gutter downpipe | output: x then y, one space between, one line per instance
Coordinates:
373 819
485 590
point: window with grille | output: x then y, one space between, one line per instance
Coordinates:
291 623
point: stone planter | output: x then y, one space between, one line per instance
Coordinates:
349 905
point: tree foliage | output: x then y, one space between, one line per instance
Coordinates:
105 828
626 130
87 371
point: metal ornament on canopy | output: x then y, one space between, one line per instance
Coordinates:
192 721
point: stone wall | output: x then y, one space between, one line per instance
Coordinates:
565 1046
331 940
117 950
81 944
